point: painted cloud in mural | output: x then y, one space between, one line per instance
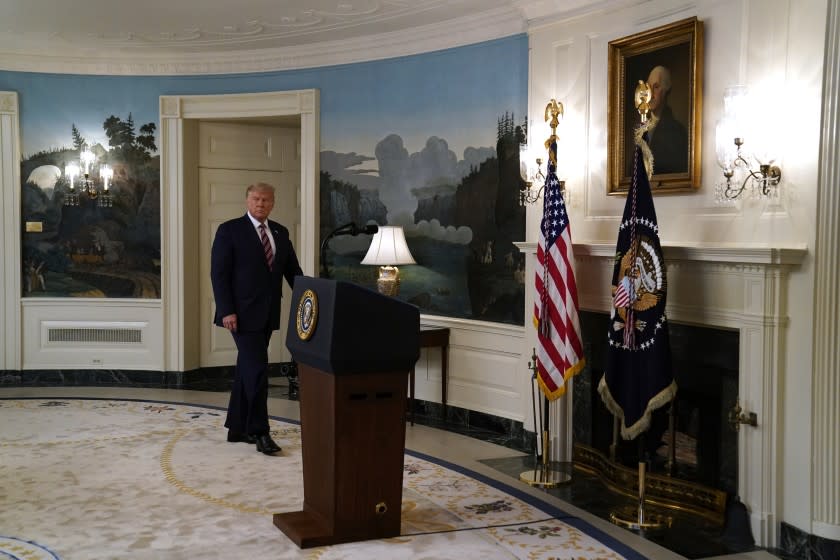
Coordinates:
460 216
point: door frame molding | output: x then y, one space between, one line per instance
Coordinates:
178 185
10 232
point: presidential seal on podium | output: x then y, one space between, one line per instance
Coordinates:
307 315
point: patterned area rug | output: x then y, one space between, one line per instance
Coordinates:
87 478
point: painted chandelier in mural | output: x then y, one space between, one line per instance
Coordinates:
87 177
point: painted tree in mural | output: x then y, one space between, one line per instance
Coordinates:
90 251
125 142
78 139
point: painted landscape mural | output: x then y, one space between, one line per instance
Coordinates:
431 143
428 142
88 250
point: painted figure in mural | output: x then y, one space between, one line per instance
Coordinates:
34 277
250 257
668 140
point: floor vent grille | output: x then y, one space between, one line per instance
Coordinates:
96 335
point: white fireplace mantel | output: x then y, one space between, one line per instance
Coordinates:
758 254
723 286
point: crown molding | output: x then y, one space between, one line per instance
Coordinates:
477 28
540 13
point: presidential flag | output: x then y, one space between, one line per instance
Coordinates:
559 349
638 378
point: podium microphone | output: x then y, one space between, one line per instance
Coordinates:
347 229
369 229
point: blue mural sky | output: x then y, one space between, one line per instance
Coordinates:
454 94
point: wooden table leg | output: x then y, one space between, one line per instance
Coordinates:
411 396
433 337
443 352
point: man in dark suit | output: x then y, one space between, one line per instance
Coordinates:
250 257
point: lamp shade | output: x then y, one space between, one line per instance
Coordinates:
388 248
736 101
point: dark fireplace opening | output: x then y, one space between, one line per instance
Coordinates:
705 365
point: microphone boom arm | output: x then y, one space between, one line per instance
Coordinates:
346 229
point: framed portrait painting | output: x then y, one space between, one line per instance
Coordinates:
670 60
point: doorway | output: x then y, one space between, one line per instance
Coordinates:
231 155
181 120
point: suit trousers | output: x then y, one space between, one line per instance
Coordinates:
248 407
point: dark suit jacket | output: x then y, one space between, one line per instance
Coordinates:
669 145
242 281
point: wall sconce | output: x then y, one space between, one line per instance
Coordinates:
531 170
83 172
744 125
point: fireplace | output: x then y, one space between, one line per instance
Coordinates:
720 298
705 364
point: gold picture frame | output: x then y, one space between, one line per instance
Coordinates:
674 50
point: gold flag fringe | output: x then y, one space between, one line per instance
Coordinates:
561 390
662 398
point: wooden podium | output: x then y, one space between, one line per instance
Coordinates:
354 349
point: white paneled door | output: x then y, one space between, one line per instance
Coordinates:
272 156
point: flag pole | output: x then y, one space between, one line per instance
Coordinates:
614 444
546 473
637 519
534 405
639 347
672 438
560 354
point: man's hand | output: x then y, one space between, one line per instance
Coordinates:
229 322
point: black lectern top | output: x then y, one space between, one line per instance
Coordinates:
342 328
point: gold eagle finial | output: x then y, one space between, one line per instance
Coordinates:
641 98
554 109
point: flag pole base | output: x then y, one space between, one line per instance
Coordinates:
636 519
545 476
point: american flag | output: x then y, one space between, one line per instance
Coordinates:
559 350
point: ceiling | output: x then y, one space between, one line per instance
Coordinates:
121 36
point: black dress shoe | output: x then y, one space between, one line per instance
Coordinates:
234 437
266 445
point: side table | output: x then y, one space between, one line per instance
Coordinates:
432 337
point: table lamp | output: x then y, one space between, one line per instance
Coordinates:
387 249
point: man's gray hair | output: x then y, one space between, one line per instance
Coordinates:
665 76
259 187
